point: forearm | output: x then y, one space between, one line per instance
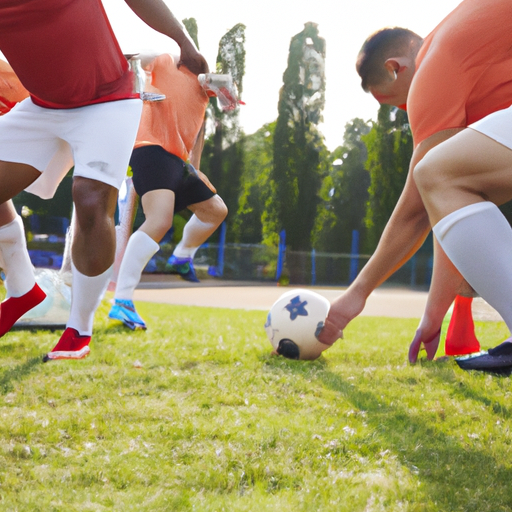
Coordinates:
407 228
197 150
158 16
404 233
445 285
402 237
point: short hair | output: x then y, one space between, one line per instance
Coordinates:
380 46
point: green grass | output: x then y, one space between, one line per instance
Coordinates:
194 414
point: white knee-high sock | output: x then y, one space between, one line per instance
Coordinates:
141 247
478 240
19 271
195 233
86 295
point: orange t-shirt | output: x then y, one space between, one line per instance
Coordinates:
463 69
174 122
11 90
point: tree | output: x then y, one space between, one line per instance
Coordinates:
191 27
389 144
255 187
344 192
224 149
299 150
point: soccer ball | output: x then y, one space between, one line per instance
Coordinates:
294 321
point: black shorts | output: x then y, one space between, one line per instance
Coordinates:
154 168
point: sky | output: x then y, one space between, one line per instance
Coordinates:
270 25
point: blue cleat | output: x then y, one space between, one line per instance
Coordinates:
182 267
124 310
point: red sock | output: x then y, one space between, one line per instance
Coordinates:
461 338
13 308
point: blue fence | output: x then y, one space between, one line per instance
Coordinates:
251 262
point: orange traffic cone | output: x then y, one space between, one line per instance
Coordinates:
461 338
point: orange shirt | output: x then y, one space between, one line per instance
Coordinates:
11 90
463 69
174 122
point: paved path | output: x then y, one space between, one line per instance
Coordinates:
385 301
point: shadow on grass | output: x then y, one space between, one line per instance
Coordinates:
455 476
17 373
466 391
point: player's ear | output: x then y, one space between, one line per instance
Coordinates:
394 65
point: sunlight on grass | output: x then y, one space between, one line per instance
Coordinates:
194 414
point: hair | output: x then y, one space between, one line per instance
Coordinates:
380 46
288 348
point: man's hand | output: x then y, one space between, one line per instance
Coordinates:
157 15
192 59
344 309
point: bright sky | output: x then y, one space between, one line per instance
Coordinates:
270 25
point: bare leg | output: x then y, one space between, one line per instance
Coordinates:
468 168
446 283
94 241
208 216
459 181
158 208
22 291
92 250
446 280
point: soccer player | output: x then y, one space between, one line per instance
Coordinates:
458 75
171 132
82 111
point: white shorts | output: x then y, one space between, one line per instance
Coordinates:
97 139
497 126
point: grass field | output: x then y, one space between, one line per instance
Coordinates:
194 414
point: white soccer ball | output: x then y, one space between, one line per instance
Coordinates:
294 321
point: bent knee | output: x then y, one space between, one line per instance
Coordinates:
429 174
158 226
212 210
93 199
221 210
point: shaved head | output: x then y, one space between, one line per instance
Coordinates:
381 46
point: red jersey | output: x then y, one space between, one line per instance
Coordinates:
463 69
11 90
64 52
174 122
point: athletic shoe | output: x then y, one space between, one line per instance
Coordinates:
183 267
13 308
495 360
70 346
124 310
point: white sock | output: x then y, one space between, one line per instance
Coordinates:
86 295
194 230
139 250
478 240
19 271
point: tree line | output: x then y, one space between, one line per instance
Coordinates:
283 177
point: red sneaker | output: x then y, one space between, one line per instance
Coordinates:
13 308
70 346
